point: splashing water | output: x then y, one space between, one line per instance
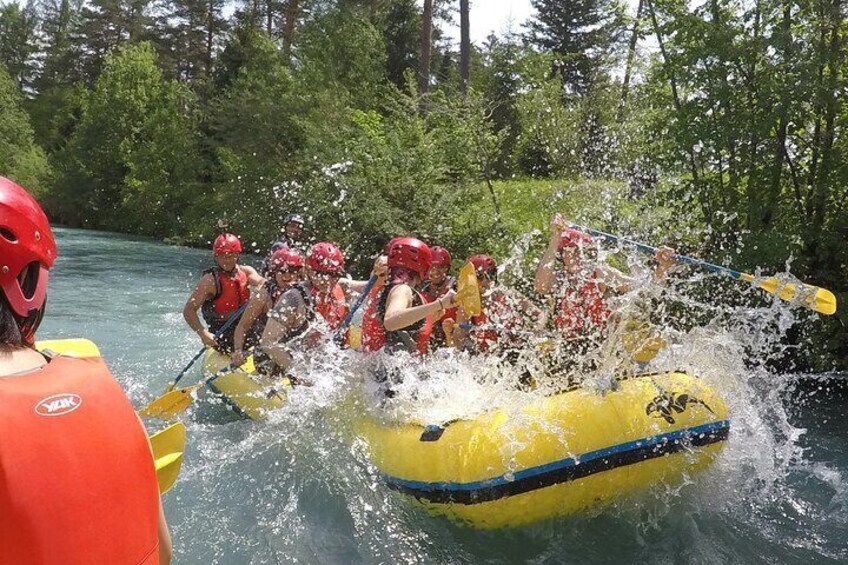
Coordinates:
300 486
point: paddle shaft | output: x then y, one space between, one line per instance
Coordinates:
236 315
652 250
349 318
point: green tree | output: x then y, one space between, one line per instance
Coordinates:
130 164
580 32
18 41
20 158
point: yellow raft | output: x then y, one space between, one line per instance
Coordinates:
243 389
564 453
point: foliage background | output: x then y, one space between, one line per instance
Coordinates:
716 126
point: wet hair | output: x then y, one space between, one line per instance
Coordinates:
10 333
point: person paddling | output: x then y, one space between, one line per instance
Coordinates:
438 283
305 313
581 285
220 292
504 316
401 318
77 478
285 269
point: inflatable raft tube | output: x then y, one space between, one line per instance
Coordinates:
243 389
558 455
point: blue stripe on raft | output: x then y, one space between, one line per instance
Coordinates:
564 469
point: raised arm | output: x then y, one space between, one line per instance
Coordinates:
545 274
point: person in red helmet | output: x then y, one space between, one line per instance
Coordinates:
78 483
306 312
401 318
503 317
220 292
581 285
437 284
285 268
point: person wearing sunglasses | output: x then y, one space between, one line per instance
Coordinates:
307 311
285 268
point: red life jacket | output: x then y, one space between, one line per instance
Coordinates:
581 310
374 335
231 291
430 295
496 311
332 307
77 481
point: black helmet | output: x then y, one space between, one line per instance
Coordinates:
296 218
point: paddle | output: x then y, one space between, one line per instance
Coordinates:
236 315
468 291
349 318
168 447
815 298
174 403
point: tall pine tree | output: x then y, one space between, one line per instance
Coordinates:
581 32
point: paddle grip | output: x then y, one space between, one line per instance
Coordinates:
236 315
362 296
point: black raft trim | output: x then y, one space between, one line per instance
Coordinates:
494 489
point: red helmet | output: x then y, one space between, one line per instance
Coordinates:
26 246
410 253
574 238
441 257
325 257
226 243
484 264
285 259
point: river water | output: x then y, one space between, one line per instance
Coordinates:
298 488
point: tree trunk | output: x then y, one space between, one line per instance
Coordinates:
773 189
631 55
693 166
464 46
288 31
426 39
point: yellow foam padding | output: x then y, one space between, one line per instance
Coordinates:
244 389
77 347
499 447
168 449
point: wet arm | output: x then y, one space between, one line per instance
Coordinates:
399 315
288 314
545 276
204 291
257 305
254 279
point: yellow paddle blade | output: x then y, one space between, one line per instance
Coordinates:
812 297
170 405
468 291
168 448
78 347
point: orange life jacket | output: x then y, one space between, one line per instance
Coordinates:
332 307
231 291
374 334
77 481
496 311
581 310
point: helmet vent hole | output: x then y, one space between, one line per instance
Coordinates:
8 235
